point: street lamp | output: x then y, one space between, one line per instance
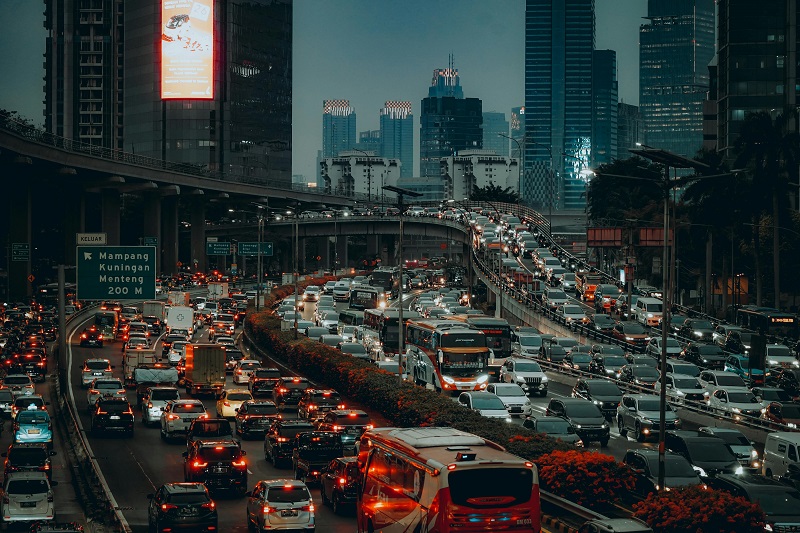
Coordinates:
519 167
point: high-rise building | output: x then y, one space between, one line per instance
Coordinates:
338 127
478 168
757 63
448 121
369 141
675 49
559 41
629 129
605 94
355 172
493 125
517 130
397 135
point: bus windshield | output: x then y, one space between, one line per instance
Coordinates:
463 340
463 364
468 487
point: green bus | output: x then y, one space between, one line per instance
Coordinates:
108 323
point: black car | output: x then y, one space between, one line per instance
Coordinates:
607 365
316 402
263 381
182 506
789 381
50 330
289 390
603 393
154 323
217 464
91 336
28 457
32 364
349 423
697 329
280 439
112 414
340 483
209 428
678 472
779 500
639 375
255 417
587 418
709 455
709 356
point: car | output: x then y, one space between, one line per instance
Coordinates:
350 424
639 414
788 379
224 340
654 347
33 425
182 506
356 349
513 397
28 457
555 427
166 342
644 463
766 395
6 402
631 333
280 504
112 414
553 353
218 464
27 497
19 384
740 365
25 403
676 366
91 336
154 401
739 341
177 353
554 297
263 380
713 379
605 297
779 501
341 291
94 369
703 355
607 365
312 293
721 332
331 340
178 415
740 445
780 356
525 373
602 323
697 330
100 387
32 364
243 370
280 438
709 455
289 390
782 414
528 344
314 403
682 388
340 484
603 393
315 332
607 349
255 417
577 361
643 376
589 421
328 287
230 400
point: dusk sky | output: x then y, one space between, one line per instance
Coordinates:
368 52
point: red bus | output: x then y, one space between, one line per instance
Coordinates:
442 480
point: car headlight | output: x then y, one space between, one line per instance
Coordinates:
796 364
792 425
482 379
700 471
577 426
545 379
739 470
754 454
596 402
772 362
448 379
736 410
604 425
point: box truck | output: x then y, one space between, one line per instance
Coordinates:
134 357
204 372
177 298
180 318
217 290
154 308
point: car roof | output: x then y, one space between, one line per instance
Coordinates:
185 488
26 475
283 482
207 443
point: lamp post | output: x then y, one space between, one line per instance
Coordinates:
521 164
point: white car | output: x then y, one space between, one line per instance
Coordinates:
231 401
177 352
528 344
20 384
94 369
487 404
780 356
673 347
572 314
513 397
330 321
311 294
243 370
101 387
714 379
341 291
737 402
178 415
27 497
224 340
682 388
183 332
527 374
155 399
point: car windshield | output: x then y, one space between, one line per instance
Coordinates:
614 360
581 358
651 404
27 456
188 408
742 397
219 453
530 340
616 350
487 402
187 498
731 380
115 407
701 324
775 395
164 394
687 383
556 294
107 385
789 410
16 380
27 486
675 467
239 396
262 409
96 365
301 385
603 319
267 373
527 367
644 371
710 451
634 329
572 310
604 388
353 347
710 349
688 369
555 427
734 438
249 366
33 417
508 390
584 410
332 315
212 429
288 494
778 351
774 503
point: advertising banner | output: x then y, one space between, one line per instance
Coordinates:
187 49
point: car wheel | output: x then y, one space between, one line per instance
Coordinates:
621 427
323 497
336 505
544 393
603 443
638 434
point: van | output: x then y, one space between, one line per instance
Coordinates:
648 311
780 450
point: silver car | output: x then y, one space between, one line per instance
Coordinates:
104 387
27 497
154 402
19 384
280 504
178 416
93 369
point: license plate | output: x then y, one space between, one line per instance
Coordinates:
28 504
97 373
188 511
34 431
289 512
355 431
114 417
187 419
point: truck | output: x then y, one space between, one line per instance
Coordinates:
180 318
204 372
178 298
585 284
154 308
313 451
217 290
153 375
135 357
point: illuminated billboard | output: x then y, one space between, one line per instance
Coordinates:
187 49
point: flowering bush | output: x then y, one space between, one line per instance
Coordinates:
698 510
590 479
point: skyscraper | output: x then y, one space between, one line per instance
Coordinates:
517 129
675 49
629 129
338 127
559 41
397 135
448 121
493 125
605 94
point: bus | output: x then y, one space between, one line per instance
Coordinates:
443 480
385 325
387 280
363 297
768 321
498 338
108 323
446 355
350 317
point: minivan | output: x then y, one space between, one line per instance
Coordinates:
780 450
648 311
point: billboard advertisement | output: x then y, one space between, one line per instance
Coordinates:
187 49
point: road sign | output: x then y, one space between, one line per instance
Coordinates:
251 248
150 241
31 278
212 239
88 239
234 269
20 251
116 272
218 248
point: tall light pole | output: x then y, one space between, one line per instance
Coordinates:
520 166
259 261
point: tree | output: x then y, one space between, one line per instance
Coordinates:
494 193
625 189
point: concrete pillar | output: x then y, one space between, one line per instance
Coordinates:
111 207
152 223
18 195
285 252
341 251
198 221
302 255
373 246
74 220
169 233
324 252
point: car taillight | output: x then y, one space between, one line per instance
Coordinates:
149 405
337 428
46 467
369 426
312 407
99 337
283 390
340 406
172 417
239 371
342 481
83 335
167 506
240 464
266 509
283 439
198 464
226 403
50 497
309 508
209 505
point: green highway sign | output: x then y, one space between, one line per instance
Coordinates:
251 248
218 248
150 241
116 272
20 251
